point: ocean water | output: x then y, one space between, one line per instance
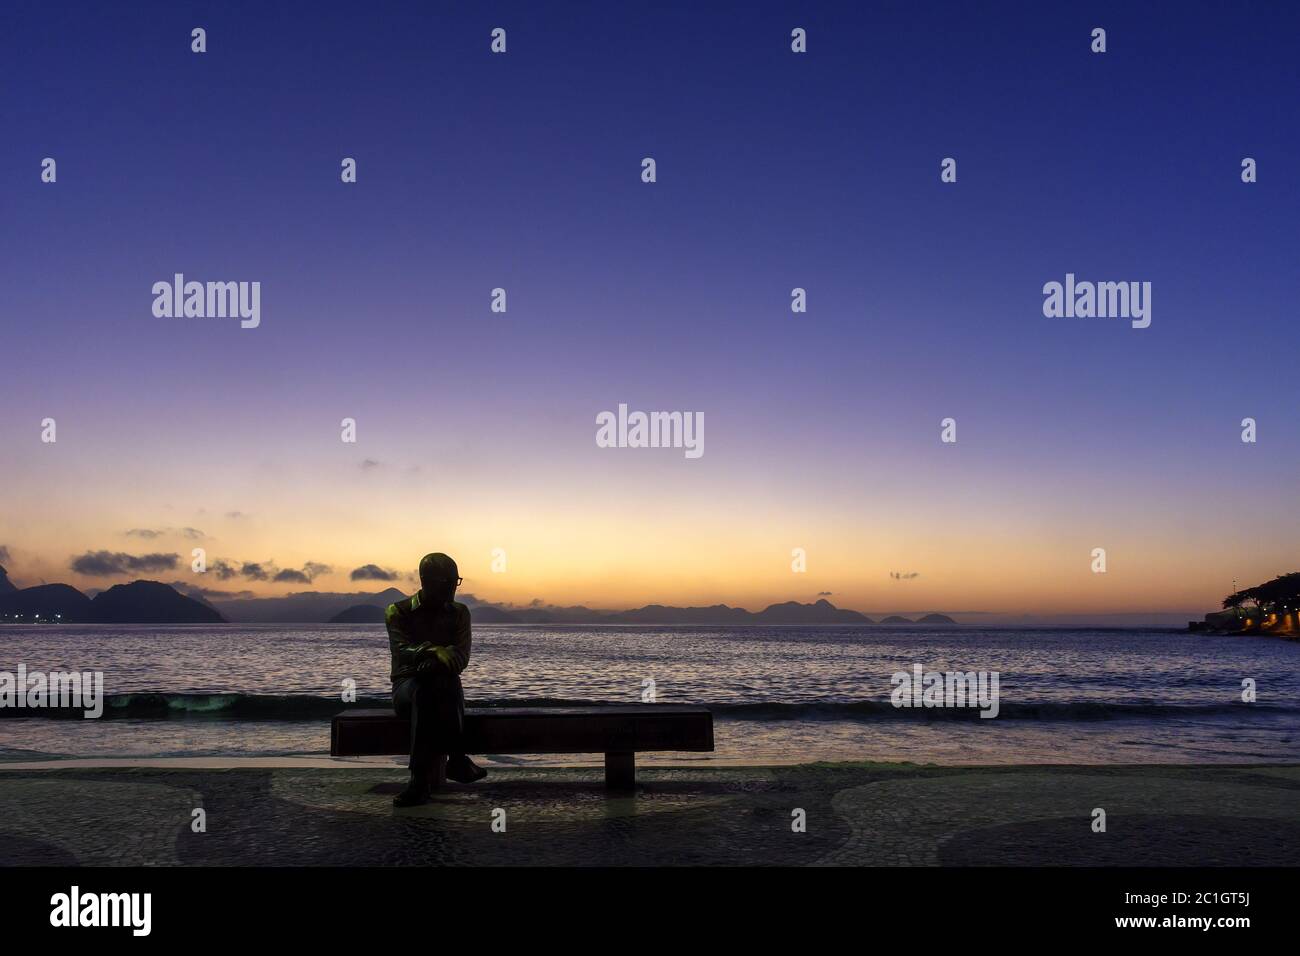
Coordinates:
779 693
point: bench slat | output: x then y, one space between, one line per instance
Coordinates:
537 730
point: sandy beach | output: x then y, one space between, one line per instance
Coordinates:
870 814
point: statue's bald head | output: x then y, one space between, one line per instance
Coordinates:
438 577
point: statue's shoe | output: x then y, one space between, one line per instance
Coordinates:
464 770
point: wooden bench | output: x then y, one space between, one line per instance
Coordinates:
617 732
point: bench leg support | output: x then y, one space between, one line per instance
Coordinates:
620 771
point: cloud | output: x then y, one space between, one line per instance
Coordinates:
194 534
904 575
310 570
107 563
255 571
222 569
235 515
824 593
372 572
225 569
368 464
4 553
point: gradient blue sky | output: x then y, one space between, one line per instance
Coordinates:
775 170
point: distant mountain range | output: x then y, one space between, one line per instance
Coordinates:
359 614
790 612
309 607
151 602
140 602
303 607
